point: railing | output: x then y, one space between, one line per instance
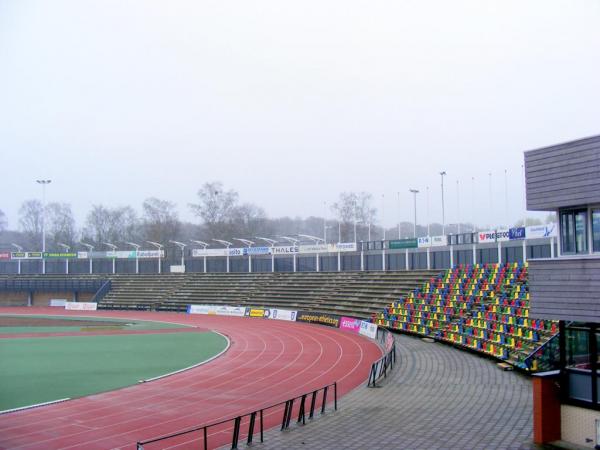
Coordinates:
101 293
544 358
381 367
51 285
288 413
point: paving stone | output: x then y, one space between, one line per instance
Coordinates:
436 397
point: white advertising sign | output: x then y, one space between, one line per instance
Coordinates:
287 250
424 242
540 231
202 309
58 302
177 269
232 311
198 252
342 247
81 306
314 248
368 329
282 314
439 241
236 252
150 254
493 236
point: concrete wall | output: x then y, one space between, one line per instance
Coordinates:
578 425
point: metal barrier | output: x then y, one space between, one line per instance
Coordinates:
101 293
259 414
380 367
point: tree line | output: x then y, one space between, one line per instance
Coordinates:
221 215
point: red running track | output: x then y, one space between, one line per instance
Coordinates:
269 361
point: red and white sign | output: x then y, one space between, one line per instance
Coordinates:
81 306
4 255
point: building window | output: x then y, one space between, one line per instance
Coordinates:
573 231
596 230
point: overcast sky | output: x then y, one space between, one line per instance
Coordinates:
291 103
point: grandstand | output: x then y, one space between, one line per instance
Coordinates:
484 308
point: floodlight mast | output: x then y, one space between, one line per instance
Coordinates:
181 246
113 247
67 248
294 242
90 248
137 261
19 249
159 248
204 244
44 183
415 192
316 240
248 244
272 243
226 244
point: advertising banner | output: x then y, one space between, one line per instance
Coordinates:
286 250
81 306
82 255
199 252
59 255
323 319
4 256
257 312
203 309
368 329
314 248
403 243
232 311
540 231
516 233
26 255
439 241
350 324
490 236
424 242
342 247
58 302
150 254
257 251
282 314
235 252
177 269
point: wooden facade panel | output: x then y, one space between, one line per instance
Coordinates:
565 289
563 175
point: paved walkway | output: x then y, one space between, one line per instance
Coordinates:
438 397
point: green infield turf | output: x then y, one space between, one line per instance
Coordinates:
37 370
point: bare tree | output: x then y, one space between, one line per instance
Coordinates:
30 222
2 221
60 223
354 207
249 220
160 220
216 208
111 225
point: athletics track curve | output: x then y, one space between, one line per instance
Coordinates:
269 361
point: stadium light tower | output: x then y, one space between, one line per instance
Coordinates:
316 241
137 260
247 243
181 246
90 248
204 245
44 183
272 243
113 248
19 249
415 192
226 244
67 248
442 174
159 249
294 243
